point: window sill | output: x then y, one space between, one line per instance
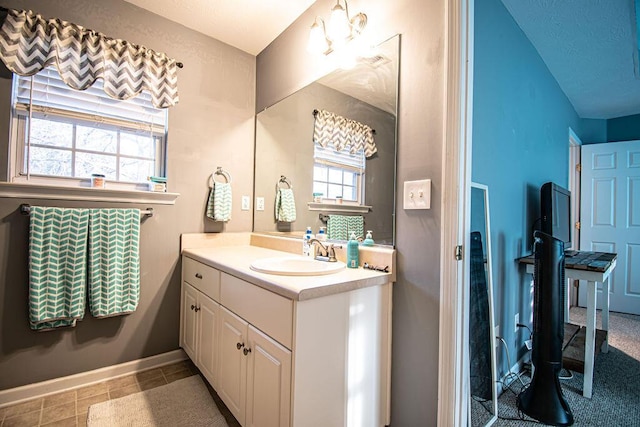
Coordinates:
334 207
52 192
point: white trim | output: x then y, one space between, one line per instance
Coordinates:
492 322
515 369
52 192
453 380
16 395
334 207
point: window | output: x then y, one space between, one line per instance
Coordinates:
338 174
75 134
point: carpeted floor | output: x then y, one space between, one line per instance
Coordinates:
184 402
616 381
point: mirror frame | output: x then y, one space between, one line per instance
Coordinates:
492 334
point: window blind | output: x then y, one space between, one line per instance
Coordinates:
52 96
329 155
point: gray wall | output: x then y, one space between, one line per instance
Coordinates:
284 67
213 125
284 146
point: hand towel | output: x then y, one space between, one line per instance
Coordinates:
57 266
219 203
340 227
285 205
114 261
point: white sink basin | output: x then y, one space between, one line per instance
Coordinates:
296 266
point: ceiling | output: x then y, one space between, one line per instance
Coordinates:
249 25
591 49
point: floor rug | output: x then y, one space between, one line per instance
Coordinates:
185 402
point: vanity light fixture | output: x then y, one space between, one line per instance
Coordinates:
340 30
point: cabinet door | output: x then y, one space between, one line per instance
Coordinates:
268 382
232 378
207 348
189 328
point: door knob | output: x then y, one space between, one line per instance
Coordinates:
192 306
239 345
197 309
198 276
246 351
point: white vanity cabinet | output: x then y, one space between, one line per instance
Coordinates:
278 361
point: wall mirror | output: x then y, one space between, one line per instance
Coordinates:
366 93
483 402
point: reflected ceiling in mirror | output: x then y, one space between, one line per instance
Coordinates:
366 93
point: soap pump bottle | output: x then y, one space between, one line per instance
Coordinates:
353 255
307 247
368 239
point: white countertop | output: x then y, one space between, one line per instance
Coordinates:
236 260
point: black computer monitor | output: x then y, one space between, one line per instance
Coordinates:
555 209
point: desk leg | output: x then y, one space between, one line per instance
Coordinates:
605 313
567 299
590 340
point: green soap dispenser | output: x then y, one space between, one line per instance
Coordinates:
368 240
353 254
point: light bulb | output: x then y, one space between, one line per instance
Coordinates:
318 43
339 25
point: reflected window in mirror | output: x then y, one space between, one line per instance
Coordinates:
338 174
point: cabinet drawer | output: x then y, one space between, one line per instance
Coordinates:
204 278
265 310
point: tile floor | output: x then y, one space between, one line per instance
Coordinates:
70 408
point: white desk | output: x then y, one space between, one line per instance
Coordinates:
592 277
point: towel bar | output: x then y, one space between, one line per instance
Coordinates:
219 171
25 209
284 180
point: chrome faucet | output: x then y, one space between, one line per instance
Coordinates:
324 253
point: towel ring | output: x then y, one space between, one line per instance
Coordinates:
222 173
284 180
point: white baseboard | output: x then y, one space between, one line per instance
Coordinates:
57 385
515 369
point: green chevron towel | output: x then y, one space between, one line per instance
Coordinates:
57 266
219 203
340 227
114 261
285 205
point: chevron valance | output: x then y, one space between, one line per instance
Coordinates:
343 133
29 43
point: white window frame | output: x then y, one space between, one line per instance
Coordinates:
19 123
343 167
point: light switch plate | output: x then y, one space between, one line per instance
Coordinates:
417 194
259 203
246 203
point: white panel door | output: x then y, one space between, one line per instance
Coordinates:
189 324
610 217
232 376
207 349
268 382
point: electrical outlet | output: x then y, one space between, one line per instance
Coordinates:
517 320
246 203
259 203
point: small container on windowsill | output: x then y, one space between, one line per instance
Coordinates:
338 200
97 180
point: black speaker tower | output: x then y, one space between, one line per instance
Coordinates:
543 400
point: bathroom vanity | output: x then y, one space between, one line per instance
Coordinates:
291 350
